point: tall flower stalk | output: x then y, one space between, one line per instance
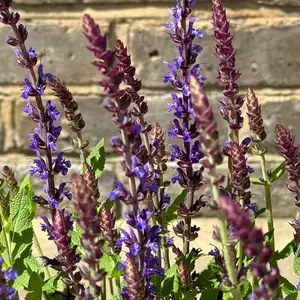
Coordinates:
289 151
209 138
182 34
43 143
89 221
228 75
258 135
142 239
252 240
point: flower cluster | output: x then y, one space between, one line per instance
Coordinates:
89 221
207 128
289 151
252 240
6 277
240 180
228 75
257 129
183 33
126 105
147 246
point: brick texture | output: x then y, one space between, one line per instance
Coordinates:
266 36
263 53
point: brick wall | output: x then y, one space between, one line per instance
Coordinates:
267 36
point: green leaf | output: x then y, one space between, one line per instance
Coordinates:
35 287
246 289
32 264
211 292
287 287
293 296
97 158
268 236
176 284
53 284
171 212
167 284
286 251
296 265
107 263
22 281
171 272
22 212
256 181
277 173
22 208
191 295
259 212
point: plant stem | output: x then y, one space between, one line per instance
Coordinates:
111 286
40 253
236 294
81 149
103 290
268 199
269 214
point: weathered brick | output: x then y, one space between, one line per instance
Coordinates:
280 2
267 55
21 166
7 124
64 51
39 2
111 1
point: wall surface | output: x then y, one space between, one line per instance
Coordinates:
266 35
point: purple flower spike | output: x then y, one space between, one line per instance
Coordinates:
228 75
6 277
252 240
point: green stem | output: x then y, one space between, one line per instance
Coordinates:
268 198
81 149
103 290
40 253
111 286
236 294
269 214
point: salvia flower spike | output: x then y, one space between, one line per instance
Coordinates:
252 240
43 142
89 221
257 130
183 34
289 151
228 75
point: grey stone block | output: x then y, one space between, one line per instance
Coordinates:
22 168
280 2
40 2
266 55
285 113
64 54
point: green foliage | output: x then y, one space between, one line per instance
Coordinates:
97 158
259 213
286 251
110 263
269 236
277 173
287 287
296 265
53 284
35 287
257 181
171 212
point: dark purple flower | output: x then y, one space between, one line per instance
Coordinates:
6 277
47 227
